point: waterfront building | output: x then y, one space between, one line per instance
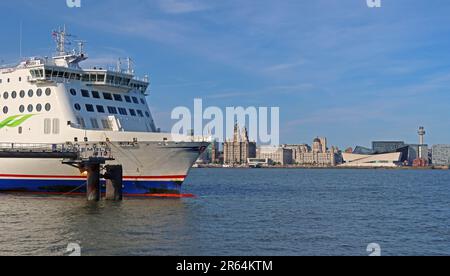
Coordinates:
317 155
441 155
387 146
240 149
276 155
372 161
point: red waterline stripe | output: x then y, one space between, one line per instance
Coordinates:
83 177
125 195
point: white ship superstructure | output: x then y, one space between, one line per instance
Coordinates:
54 101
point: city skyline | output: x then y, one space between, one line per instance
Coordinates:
336 69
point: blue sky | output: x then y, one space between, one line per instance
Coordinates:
335 67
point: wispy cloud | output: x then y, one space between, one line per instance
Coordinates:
182 6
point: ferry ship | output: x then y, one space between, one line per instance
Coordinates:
54 101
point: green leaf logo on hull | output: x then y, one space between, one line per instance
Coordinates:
15 121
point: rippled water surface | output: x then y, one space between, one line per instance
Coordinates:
246 212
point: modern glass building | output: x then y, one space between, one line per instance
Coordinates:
441 155
387 146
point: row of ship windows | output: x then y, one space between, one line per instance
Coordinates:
8 80
50 127
112 110
22 93
30 108
107 96
106 124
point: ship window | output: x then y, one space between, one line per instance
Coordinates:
123 111
21 108
73 92
20 79
48 73
85 77
142 101
60 74
118 98
39 92
20 130
81 122
90 108
5 110
66 75
48 107
54 73
135 100
133 112
22 94
30 108
5 95
47 126
48 91
95 94
94 123
112 110
139 112
30 93
101 78
8 80
55 126
147 114
85 93
106 124
39 107
107 96
128 99
14 94
100 109
77 107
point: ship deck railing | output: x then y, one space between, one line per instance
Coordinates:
81 150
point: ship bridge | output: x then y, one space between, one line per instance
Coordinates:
99 78
64 67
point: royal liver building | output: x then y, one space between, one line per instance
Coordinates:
238 151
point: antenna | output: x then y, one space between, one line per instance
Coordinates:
20 39
60 37
130 66
81 44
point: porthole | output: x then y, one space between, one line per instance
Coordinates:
73 92
14 94
39 92
22 94
77 107
30 93
5 95
22 109
5 110
48 91
48 107
30 108
39 107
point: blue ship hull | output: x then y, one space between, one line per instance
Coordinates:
78 187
